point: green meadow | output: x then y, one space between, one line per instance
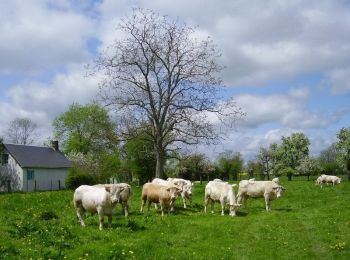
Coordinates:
306 223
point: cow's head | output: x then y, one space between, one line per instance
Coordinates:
187 190
174 191
233 208
114 192
278 190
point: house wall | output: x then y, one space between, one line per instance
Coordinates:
16 173
45 179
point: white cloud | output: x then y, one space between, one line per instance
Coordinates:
340 80
288 110
35 37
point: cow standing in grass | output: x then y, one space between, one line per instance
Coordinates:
187 189
96 200
157 193
327 179
259 189
222 192
124 195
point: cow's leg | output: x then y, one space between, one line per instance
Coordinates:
267 202
142 205
156 206
212 206
149 204
100 217
126 208
162 208
205 204
222 202
80 212
184 201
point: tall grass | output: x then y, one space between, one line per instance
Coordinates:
306 223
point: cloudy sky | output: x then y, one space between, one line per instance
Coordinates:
287 62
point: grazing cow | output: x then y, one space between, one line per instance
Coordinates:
223 193
157 193
187 189
327 179
258 189
124 195
93 199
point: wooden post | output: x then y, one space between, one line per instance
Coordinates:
51 184
59 184
35 185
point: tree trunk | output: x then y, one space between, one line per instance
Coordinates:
289 177
159 164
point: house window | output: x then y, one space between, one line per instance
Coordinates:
4 159
30 175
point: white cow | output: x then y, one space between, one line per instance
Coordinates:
157 193
327 179
124 195
223 193
187 189
93 199
259 189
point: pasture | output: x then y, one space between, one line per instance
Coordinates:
306 223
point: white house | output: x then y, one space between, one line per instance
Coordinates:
34 168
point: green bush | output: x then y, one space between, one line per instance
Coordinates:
77 177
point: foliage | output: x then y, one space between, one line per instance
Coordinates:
140 158
43 225
344 146
194 167
308 166
77 176
160 75
21 131
229 165
254 168
84 129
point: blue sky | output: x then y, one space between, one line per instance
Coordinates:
287 62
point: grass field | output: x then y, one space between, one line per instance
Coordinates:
306 223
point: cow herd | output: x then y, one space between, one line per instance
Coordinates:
103 198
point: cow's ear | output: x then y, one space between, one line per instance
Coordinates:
107 188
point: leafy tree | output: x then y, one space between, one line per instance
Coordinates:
160 75
344 146
195 167
308 167
264 156
293 149
84 129
331 162
230 164
22 131
140 158
254 168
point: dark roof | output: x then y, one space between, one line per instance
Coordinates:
36 156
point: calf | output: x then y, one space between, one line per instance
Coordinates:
96 200
157 193
187 189
258 189
124 195
223 193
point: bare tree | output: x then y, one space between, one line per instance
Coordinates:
21 131
161 76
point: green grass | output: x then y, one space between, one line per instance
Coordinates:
306 223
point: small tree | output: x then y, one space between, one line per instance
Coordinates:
293 149
230 164
22 131
344 146
308 167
